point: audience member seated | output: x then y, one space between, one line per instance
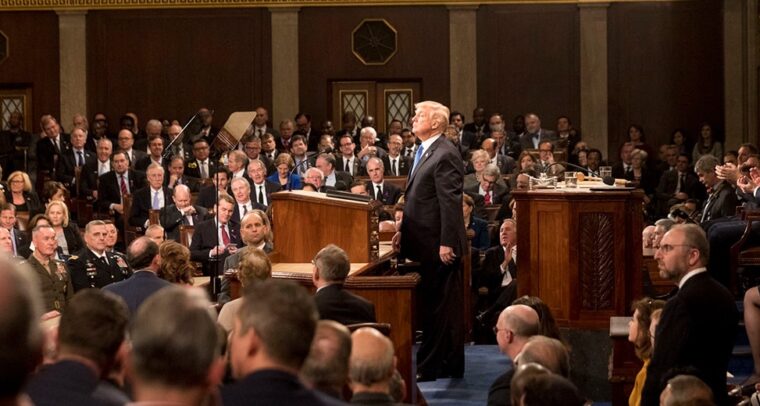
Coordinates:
156 233
208 195
54 279
6 245
498 275
330 269
19 239
525 161
534 134
516 324
679 185
72 161
548 326
144 258
112 237
661 227
93 266
372 366
707 143
94 169
624 168
155 154
332 178
524 374
549 352
326 368
302 159
200 166
20 193
380 190
283 176
345 160
721 200
253 267
396 164
255 232
66 233
488 192
500 151
51 191
686 390
637 137
701 315
261 188
216 238
551 389
504 163
90 339
647 237
154 196
175 266
241 191
176 360
176 175
126 141
546 163
638 334
482 240
181 212
119 182
271 339
642 176
478 162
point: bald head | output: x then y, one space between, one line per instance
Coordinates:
326 367
371 357
521 319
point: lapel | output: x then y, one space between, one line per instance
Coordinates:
425 155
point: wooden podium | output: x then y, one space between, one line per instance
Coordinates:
580 252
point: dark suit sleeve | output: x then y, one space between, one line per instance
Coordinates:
668 342
449 176
199 247
138 214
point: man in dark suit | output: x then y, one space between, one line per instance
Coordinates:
142 254
19 240
156 147
433 234
126 141
395 164
679 185
50 148
255 232
624 169
697 327
216 238
261 188
722 200
261 126
304 128
273 333
90 335
154 196
478 126
176 175
516 324
241 191
505 163
346 161
378 188
506 146
534 134
72 161
329 272
282 143
94 266
94 169
113 185
187 367
209 194
332 178
498 273
200 166
490 191
182 212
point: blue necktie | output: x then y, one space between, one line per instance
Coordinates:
417 158
155 201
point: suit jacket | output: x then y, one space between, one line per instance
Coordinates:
272 387
135 290
722 202
89 178
74 241
269 188
526 141
63 383
335 303
498 193
192 183
137 156
236 216
67 162
192 168
500 392
433 205
358 168
505 163
109 190
390 195
232 262
696 332
207 197
481 240
89 272
56 287
48 154
205 238
142 203
23 241
404 164
490 275
144 162
667 188
171 218
32 201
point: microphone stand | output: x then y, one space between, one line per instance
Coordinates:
167 150
214 261
295 168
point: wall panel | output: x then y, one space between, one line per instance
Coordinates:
168 63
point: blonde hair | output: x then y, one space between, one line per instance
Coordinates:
175 263
479 154
254 266
63 208
24 177
438 113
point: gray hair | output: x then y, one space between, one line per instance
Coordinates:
332 263
491 170
706 164
546 351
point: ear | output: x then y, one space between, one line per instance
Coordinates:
216 372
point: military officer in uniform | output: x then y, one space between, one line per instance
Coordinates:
55 282
94 266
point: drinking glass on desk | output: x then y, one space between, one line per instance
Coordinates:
605 171
571 181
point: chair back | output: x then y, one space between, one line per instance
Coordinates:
186 235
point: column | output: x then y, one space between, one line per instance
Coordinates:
72 33
740 71
593 69
463 67
285 96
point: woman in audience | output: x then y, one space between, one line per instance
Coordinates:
254 267
481 241
707 143
283 176
526 160
479 160
67 234
637 137
680 140
51 191
175 263
547 325
20 192
638 334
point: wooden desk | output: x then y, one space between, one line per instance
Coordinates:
659 286
574 252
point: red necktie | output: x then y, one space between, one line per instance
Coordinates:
225 236
487 198
123 186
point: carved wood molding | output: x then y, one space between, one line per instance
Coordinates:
597 265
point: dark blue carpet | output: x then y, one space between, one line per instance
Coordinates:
483 363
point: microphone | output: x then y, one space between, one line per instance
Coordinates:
295 168
607 180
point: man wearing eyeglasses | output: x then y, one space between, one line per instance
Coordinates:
697 326
200 166
515 326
